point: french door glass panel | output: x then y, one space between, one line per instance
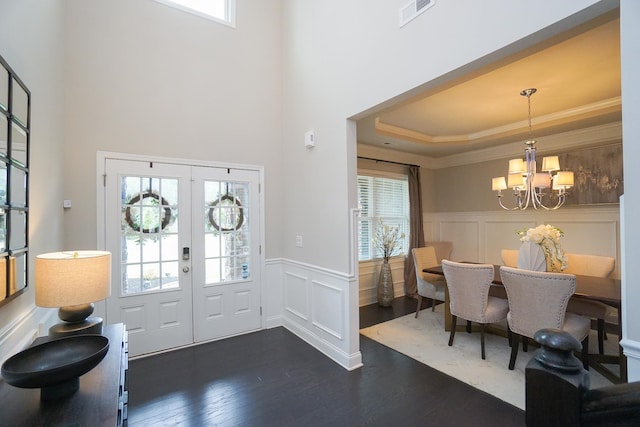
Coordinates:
150 247
227 238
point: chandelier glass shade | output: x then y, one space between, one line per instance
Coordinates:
530 187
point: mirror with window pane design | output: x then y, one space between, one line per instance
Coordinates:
15 117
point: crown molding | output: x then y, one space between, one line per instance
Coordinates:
540 122
581 138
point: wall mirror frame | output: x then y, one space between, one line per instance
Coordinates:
15 136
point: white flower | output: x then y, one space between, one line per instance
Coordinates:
387 239
548 237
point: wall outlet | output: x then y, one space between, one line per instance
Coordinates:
299 241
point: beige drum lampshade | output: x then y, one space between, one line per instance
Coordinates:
64 279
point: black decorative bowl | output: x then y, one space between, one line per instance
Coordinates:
55 366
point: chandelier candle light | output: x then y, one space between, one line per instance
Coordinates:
529 187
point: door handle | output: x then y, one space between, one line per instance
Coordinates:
185 269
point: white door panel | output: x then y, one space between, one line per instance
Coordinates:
226 267
148 223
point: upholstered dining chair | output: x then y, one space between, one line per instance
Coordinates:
469 298
443 249
591 265
430 286
510 257
538 300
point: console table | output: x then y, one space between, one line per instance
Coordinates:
100 401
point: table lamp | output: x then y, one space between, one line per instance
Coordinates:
73 281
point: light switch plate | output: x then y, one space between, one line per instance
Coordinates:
309 139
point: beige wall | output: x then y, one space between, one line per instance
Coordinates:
467 187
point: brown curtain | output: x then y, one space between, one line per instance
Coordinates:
416 233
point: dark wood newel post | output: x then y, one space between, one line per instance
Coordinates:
555 381
558 394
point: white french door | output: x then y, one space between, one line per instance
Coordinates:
186 252
226 276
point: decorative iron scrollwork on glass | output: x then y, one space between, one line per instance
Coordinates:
226 214
142 216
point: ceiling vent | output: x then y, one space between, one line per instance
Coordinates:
413 10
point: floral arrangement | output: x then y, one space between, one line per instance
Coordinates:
388 239
548 237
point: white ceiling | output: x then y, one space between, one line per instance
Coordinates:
577 81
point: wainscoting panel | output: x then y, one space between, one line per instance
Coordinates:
462 230
599 236
296 299
324 295
499 235
480 237
319 308
272 294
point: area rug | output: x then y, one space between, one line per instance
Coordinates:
425 340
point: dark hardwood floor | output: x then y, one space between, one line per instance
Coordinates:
273 378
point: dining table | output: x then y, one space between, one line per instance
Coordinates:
601 289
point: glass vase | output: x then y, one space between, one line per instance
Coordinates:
385 285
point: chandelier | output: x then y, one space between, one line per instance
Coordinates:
530 188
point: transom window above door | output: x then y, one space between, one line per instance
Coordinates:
223 11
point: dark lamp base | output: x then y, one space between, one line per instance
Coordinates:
91 325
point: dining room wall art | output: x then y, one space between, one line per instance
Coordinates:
598 174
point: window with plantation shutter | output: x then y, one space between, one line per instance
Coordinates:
383 198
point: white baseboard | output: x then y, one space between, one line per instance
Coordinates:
347 361
632 352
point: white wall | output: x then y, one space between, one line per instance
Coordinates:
31 42
145 78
